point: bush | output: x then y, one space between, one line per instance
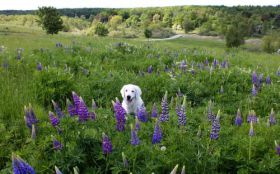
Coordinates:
188 25
234 37
271 43
101 30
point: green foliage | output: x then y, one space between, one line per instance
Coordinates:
101 30
234 36
188 25
49 19
271 42
148 33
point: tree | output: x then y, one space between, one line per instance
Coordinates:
50 19
148 33
234 36
101 30
115 21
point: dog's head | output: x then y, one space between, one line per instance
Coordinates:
130 92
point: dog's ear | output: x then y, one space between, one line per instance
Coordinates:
138 91
122 91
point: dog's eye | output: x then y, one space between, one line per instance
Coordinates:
132 91
126 90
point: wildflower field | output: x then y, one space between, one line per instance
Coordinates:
207 109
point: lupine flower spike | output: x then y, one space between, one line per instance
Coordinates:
56 144
71 108
76 170
182 114
106 144
76 100
272 119
29 117
183 170
157 136
57 109
251 131
214 135
254 90
20 166
252 117
82 111
120 115
125 162
154 111
137 124
277 148
94 106
238 118
142 114
268 80
134 138
210 114
57 171
54 120
174 170
164 116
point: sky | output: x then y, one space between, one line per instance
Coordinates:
34 4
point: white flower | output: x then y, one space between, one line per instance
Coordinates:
163 148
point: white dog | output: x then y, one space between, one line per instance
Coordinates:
131 98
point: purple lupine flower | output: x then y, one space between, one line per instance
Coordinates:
137 124
120 115
254 90
183 65
164 116
39 66
18 54
83 111
30 117
224 64
252 117
166 69
76 100
54 120
125 162
182 114
56 144
272 119
33 132
20 166
215 63
150 69
157 136
142 114
57 171
260 79
251 131
93 105
254 78
154 111
134 138
57 109
192 71
92 115
206 62
238 118
210 115
214 135
71 108
106 144
277 148
268 80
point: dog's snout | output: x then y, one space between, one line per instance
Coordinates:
128 97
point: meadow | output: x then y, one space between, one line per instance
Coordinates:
211 136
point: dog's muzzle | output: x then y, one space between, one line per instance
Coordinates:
128 98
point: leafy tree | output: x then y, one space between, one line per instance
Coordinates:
101 30
188 25
148 33
50 19
234 36
115 21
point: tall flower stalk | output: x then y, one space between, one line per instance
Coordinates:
182 113
238 118
120 115
157 135
20 166
106 144
164 116
214 135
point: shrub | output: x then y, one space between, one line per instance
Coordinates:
271 43
234 37
101 30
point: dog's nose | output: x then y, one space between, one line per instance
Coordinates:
128 97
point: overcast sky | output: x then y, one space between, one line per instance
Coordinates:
34 4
